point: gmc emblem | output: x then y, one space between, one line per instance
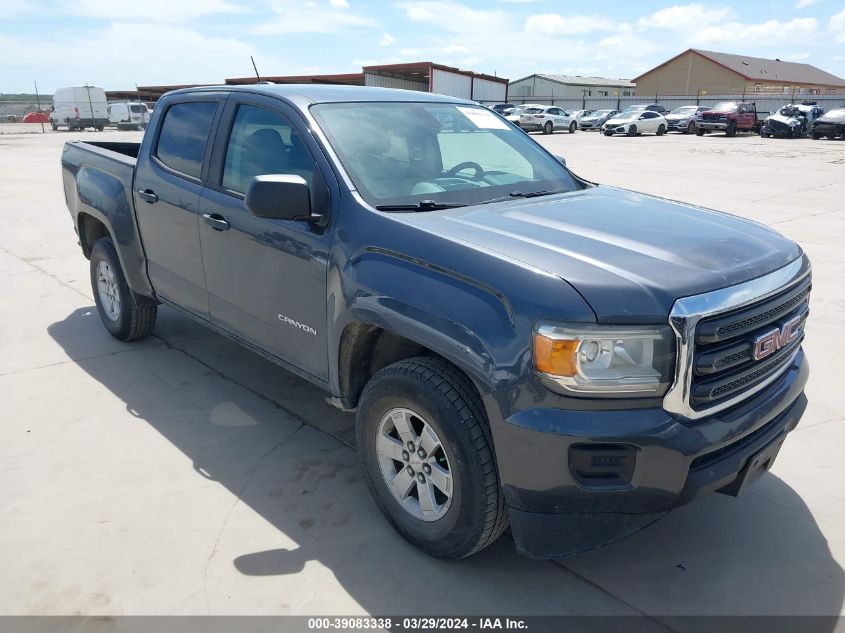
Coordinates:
770 342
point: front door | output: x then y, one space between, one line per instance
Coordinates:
266 278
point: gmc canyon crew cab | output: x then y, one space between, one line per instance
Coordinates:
521 346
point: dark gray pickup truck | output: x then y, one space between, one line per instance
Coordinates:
522 346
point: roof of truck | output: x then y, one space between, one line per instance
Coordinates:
319 93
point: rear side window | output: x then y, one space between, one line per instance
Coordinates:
184 132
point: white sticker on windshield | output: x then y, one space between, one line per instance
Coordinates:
483 119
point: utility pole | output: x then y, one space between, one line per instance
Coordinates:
38 104
90 105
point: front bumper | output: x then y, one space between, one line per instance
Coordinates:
712 125
677 125
554 513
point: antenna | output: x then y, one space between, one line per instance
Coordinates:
255 68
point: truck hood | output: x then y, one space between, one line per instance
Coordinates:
629 255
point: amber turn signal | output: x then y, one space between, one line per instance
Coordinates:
555 357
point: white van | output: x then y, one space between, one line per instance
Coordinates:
129 115
79 107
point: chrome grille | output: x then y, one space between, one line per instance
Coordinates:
716 335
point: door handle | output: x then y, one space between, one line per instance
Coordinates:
149 195
216 221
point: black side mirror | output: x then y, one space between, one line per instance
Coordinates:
561 160
279 197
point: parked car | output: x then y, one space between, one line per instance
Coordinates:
651 107
635 122
501 107
129 115
36 117
730 117
831 124
791 121
514 113
682 119
519 345
547 119
580 114
596 119
79 107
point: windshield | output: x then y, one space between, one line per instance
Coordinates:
724 106
404 153
633 114
684 110
600 113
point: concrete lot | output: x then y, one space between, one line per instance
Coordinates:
185 475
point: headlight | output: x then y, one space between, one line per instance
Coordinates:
604 361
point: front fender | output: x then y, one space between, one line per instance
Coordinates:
457 317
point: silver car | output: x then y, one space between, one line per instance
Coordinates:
682 119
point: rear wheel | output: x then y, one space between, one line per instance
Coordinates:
427 454
572 127
548 128
632 131
661 130
122 313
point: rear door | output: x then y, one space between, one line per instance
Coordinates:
168 182
266 278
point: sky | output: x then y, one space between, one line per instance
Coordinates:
117 44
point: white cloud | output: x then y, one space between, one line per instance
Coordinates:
452 49
311 17
452 16
837 26
556 24
519 1
387 40
769 32
686 17
182 56
798 57
148 10
801 4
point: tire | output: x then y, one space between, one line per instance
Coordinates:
427 392
699 132
608 133
99 128
661 130
816 137
54 125
572 127
548 128
691 127
127 319
632 131
730 130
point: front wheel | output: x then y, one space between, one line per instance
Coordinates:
123 315
548 128
54 125
572 127
427 454
730 130
691 127
632 131
699 132
608 133
661 130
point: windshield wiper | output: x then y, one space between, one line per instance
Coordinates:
524 194
422 205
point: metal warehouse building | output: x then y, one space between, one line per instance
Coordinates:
711 73
545 88
422 76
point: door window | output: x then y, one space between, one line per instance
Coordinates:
263 142
184 132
